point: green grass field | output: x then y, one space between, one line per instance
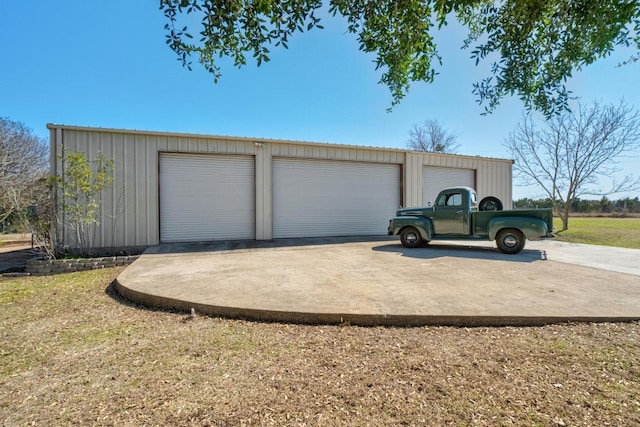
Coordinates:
620 232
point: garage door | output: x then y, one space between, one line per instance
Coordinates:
204 197
435 179
314 198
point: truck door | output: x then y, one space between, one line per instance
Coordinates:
450 213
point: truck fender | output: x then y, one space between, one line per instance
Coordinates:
530 226
422 224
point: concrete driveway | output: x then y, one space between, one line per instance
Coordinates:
378 282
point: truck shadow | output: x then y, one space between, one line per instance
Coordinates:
442 250
232 245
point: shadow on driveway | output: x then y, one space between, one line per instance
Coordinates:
390 244
238 245
13 258
442 250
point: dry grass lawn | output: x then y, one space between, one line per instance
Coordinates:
73 353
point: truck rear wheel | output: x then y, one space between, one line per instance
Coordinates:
490 203
410 238
510 241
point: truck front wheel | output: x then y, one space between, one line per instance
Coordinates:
510 241
410 238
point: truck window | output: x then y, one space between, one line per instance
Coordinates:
454 200
450 199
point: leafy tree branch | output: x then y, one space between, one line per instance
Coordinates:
533 46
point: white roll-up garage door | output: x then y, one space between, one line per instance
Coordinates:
435 179
206 197
316 198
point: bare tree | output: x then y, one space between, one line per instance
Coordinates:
23 160
569 155
431 137
40 216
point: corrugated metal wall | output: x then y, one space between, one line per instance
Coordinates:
130 208
130 211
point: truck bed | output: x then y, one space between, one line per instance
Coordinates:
480 219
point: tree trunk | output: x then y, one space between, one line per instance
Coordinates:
564 216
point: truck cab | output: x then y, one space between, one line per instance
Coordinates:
452 211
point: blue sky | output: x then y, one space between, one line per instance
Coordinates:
105 64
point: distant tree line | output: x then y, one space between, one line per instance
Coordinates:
602 206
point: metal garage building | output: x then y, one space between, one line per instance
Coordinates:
179 187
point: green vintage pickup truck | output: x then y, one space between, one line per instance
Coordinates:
457 215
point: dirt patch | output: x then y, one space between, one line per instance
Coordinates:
7 248
73 353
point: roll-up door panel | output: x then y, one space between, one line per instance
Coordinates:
206 197
436 179
316 198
